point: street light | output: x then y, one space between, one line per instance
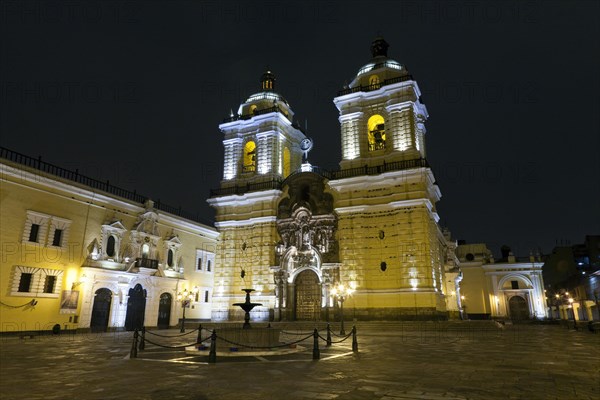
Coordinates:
186 298
571 300
464 308
341 293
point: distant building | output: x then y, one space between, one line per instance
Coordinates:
80 253
510 287
572 277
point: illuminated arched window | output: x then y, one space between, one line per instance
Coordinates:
374 80
249 157
287 166
145 250
376 134
252 109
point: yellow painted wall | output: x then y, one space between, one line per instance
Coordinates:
44 194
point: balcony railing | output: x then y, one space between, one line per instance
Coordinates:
331 175
375 86
105 186
251 187
146 263
256 112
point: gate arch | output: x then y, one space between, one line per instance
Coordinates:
136 308
164 311
518 307
307 296
101 310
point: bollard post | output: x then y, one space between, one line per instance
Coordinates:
316 352
328 334
134 344
212 355
354 341
199 338
142 345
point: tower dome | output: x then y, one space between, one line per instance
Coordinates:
381 68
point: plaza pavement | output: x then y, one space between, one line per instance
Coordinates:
452 360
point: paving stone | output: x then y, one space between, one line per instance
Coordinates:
525 362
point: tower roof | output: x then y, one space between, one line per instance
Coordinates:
267 86
380 64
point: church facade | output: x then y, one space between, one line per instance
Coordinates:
293 232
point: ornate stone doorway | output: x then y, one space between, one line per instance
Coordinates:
308 296
164 311
136 308
519 309
101 310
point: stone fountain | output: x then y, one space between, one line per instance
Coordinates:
247 306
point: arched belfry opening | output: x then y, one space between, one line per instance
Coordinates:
307 253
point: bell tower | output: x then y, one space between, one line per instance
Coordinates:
381 115
391 246
261 142
262 147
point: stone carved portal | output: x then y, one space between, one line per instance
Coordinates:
307 254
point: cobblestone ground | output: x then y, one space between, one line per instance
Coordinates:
467 360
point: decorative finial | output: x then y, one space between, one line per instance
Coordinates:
379 47
267 81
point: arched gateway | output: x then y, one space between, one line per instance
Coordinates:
308 296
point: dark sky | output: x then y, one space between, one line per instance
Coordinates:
134 92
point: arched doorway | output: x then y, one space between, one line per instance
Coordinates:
136 307
164 311
101 310
308 296
519 309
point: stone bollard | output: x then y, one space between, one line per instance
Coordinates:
354 341
328 334
212 355
142 345
199 338
134 345
316 352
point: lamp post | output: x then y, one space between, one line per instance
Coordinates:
341 293
571 300
464 308
186 298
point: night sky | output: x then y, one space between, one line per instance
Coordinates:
133 92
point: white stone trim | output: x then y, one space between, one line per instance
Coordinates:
37 218
246 222
38 280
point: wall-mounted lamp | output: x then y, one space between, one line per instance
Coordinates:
83 279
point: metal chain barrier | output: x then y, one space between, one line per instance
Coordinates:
264 347
172 336
140 340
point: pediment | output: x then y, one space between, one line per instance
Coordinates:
115 225
174 240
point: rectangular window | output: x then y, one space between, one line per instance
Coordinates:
208 265
199 264
25 282
57 237
49 284
33 234
515 284
206 296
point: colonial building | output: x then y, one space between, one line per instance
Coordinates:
80 253
291 230
510 287
572 278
